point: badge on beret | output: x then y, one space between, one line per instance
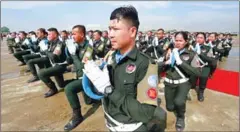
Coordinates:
130 68
185 57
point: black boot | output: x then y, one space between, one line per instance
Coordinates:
33 79
76 119
180 124
53 90
22 64
200 95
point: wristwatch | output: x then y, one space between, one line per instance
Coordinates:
108 90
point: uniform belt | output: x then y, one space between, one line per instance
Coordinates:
179 81
120 127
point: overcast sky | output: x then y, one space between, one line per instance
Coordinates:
217 16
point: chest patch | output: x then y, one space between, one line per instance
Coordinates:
204 50
153 80
130 68
185 57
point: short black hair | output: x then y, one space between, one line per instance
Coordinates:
32 32
215 34
105 31
99 32
81 28
64 31
90 31
128 13
161 29
184 34
204 35
42 30
53 30
22 32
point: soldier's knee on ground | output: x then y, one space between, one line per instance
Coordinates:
159 121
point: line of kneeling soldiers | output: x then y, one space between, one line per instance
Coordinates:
53 52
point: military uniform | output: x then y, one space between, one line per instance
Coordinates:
25 50
162 46
73 87
99 48
108 45
205 61
34 51
219 48
177 83
57 69
41 62
126 71
227 45
11 44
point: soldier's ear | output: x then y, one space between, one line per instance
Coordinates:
133 31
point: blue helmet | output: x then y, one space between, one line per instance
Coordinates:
89 89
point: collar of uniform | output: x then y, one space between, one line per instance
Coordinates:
97 41
186 51
82 44
133 53
54 41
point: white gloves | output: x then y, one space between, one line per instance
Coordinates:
43 46
102 39
71 47
17 40
99 78
33 38
168 62
177 57
198 49
26 42
160 59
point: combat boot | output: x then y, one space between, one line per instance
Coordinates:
180 124
200 95
53 90
33 79
22 64
76 119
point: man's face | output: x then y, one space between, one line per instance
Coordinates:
77 35
96 36
160 34
200 39
22 36
179 42
105 34
52 35
13 35
149 34
121 34
90 34
211 37
40 34
220 36
140 34
64 35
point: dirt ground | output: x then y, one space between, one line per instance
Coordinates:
23 107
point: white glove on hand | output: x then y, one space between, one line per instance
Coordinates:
168 62
99 78
71 47
198 49
33 38
177 57
43 46
160 59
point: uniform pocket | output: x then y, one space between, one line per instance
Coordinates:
129 87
